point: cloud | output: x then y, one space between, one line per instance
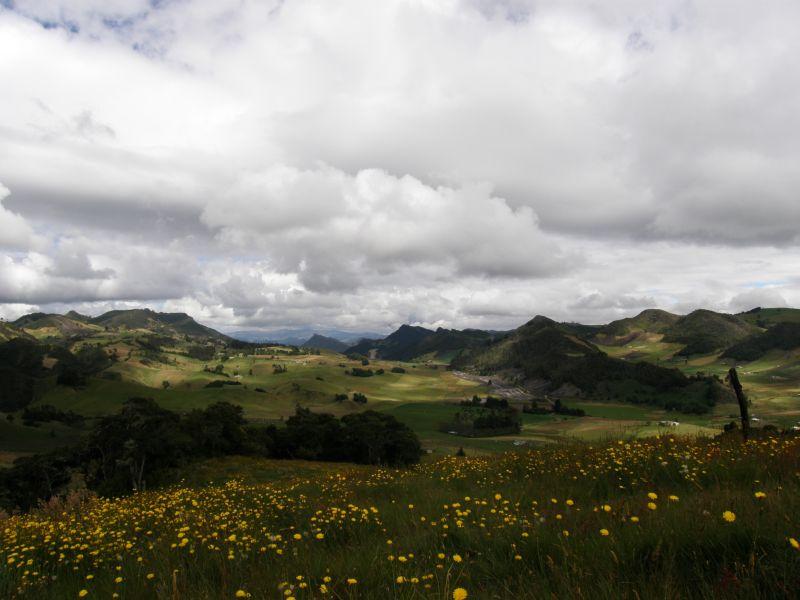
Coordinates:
335 230
763 297
15 232
471 162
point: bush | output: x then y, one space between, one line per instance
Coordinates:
561 409
44 413
359 372
218 383
198 352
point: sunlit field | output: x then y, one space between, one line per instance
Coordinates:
666 517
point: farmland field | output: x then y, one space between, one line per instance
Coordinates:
422 397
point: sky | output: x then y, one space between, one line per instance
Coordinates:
358 164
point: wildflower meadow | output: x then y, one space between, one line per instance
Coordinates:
665 517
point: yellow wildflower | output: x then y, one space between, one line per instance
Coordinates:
729 516
460 594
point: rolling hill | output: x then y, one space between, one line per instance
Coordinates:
144 318
545 356
411 343
320 342
9 332
646 324
41 325
706 331
767 317
781 336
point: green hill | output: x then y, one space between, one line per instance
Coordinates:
624 331
9 332
767 317
543 353
321 342
43 325
782 336
410 342
144 318
706 331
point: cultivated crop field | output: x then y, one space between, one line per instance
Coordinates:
708 518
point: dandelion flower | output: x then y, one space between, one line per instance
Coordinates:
652 505
460 594
652 496
457 558
83 593
794 543
604 532
729 516
760 495
241 594
352 581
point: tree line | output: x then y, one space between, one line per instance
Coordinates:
144 445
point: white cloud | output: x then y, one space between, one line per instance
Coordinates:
335 230
15 232
458 162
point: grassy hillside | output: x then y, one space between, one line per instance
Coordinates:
766 317
704 331
541 353
322 342
146 319
647 325
781 336
168 366
9 332
417 343
49 326
710 518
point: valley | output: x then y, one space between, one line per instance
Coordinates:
173 359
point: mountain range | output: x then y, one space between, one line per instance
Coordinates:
633 359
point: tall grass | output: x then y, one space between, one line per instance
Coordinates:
621 519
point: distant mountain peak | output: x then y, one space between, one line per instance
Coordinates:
322 342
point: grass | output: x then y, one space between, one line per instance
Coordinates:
422 397
18 440
569 520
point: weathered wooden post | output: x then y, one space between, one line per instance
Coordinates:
737 388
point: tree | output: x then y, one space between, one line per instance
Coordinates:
377 438
126 447
217 430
